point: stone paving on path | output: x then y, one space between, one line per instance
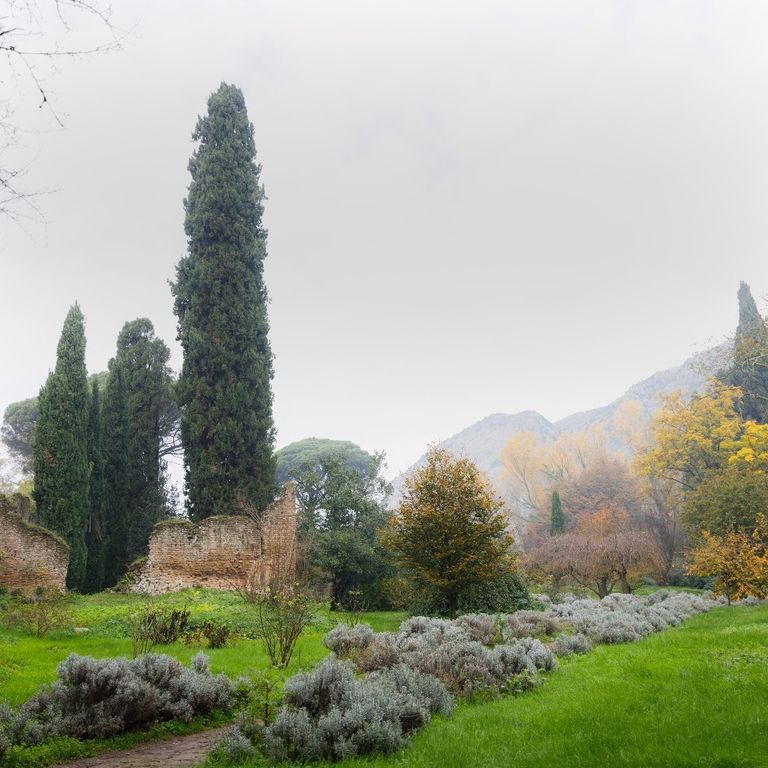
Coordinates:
178 752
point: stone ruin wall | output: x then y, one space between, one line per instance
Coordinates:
30 556
222 552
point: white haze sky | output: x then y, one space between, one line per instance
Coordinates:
474 207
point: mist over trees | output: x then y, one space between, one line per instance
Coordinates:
600 516
695 476
98 452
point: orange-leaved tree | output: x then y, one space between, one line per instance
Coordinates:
737 560
602 552
449 532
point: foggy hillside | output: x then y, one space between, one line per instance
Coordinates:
482 442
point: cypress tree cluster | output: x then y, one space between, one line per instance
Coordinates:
99 476
99 473
221 304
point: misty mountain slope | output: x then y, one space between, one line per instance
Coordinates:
689 377
482 442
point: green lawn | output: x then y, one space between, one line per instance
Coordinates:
692 696
27 662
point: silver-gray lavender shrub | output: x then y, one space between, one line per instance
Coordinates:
480 627
344 639
566 645
234 746
104 697
380 653
332 714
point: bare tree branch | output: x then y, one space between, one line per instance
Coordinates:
28 66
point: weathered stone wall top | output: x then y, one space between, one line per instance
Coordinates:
222 552
30 556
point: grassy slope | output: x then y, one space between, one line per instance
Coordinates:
692 696
27 662
696 695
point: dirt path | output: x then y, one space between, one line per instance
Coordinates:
178 752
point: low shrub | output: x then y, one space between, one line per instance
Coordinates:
566 645
151 626
480 627
102 697
382 652
332 714
282 614
343 639
39 614
530 624
234 746
409 675
217 633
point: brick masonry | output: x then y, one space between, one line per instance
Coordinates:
222 552
30 556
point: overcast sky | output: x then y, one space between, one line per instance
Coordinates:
473 207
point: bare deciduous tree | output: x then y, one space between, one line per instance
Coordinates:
35 38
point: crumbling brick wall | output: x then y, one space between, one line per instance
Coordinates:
30 556
222 552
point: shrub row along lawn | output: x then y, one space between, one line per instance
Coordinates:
27 662
422 668
695 695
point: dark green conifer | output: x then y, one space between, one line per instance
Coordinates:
749 365
139 395
557 518
95 541
221 304
61 447
114 425
148 387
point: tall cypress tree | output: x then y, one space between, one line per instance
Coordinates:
114 425
557 518
139 395
61 447
143 359
749 365
95 540
221 305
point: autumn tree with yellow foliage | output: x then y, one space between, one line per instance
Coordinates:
737 560
449 532
718 460
693 437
